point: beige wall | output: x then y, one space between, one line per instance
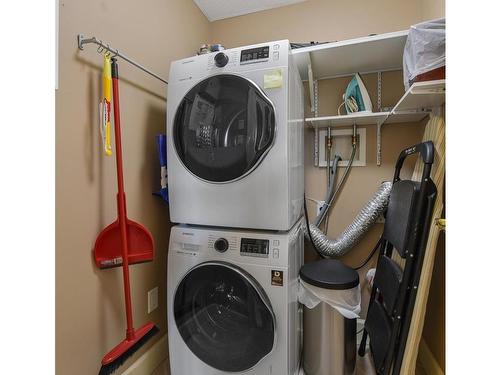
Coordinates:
432 9
319 20
89 301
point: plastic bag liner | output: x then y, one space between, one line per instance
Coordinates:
347 302
370 277
424 50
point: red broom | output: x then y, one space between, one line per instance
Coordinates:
134 339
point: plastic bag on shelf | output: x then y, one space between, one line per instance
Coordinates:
424 50
347 302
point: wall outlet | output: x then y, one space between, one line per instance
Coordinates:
152 300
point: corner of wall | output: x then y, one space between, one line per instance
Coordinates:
151 359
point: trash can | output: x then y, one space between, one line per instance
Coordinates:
330 292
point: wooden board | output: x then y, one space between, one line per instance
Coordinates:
434 131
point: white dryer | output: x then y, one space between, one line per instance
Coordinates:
235 138
232 301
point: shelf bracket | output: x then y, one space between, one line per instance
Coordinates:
379 91
379 142
316 146
316 98
315 114
312 95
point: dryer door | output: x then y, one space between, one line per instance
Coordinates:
223 128
224 316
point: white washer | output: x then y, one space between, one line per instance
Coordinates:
235 138
232 301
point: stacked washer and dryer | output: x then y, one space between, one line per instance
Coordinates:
236 188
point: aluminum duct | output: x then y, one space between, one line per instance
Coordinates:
356 230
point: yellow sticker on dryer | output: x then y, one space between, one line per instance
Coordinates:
273 79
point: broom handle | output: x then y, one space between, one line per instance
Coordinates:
122 211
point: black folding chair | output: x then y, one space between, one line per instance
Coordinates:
407 222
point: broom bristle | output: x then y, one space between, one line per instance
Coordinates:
113 366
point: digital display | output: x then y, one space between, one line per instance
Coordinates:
250 55
254 247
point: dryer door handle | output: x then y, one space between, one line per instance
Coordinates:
265 126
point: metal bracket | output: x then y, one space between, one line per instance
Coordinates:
379 123
81 41
316 131
379 142
315 106
311 87
316 147
379 91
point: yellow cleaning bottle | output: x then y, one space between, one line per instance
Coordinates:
106 105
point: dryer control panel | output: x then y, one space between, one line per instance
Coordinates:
239 60
254 55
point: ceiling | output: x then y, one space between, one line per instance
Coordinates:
219 9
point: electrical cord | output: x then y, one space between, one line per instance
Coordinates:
372 253
350 106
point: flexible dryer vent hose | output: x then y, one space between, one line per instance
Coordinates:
357 229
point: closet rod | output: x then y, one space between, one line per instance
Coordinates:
105 46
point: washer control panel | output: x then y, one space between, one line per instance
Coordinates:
254 247
239 246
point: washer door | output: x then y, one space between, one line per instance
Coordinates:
223 128
224 316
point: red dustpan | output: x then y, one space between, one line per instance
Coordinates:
107 249
122 243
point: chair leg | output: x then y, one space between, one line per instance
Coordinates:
362 346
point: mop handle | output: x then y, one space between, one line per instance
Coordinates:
122 211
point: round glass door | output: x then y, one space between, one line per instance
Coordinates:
224 317
223 128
